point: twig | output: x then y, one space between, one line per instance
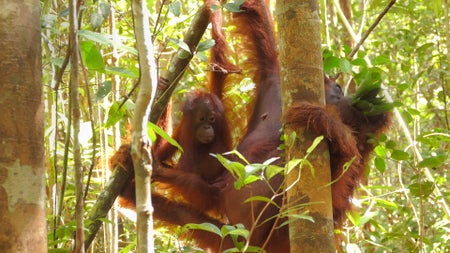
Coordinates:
371 28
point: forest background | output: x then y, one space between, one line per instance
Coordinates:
404 204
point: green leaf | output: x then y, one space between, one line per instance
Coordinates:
129 105
122 72
104 90
105 10
423 189
234 6
314 145
433 161
105 40
367 217
175 8
155 128
330 63
205 45
181 44
236 169
214 7
96 20
205 227
273 170
345 66
399 155
238 230
250 179
64 12
294 217
91 55
359 62
380 60
353 217
387 204
115 114
290 165
57 61
380 151
262 199
380 164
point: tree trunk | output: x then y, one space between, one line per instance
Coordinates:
301 70
22 171
140 144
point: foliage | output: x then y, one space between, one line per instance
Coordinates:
401 208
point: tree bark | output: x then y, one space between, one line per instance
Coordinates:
22 170
301 71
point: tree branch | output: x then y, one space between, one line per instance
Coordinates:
180 62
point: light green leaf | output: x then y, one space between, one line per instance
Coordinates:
92 57
205 227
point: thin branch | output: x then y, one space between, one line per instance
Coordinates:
371 28
104 202
91 119
76 114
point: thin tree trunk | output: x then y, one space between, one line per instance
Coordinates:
22 170
75 114
302 79
140 144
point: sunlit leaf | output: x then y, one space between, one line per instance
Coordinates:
380 151
314 145
273 170
380 164
290 165
92 56
155 128
205 227
115 114
239 230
